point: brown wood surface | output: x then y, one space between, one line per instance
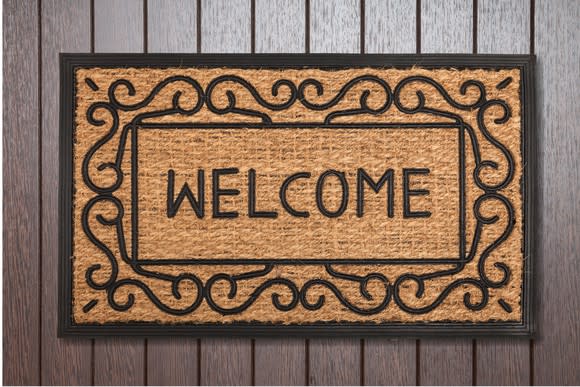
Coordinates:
556 352
34 32
503 28
390 27
21 140
226 28
280 28
65 28
172 27
334 27
119 28
446 27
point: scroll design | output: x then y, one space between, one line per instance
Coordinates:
297 295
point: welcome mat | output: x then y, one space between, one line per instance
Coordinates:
296 194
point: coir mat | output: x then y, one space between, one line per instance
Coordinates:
296 194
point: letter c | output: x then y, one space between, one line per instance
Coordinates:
284 200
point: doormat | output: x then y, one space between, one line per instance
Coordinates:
237 194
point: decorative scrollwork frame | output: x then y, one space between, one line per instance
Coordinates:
296 94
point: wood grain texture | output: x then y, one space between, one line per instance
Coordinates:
445 362
390 362
280 361
226 26
65 28
226 361
21 265
280 26
172 361
390 26
503 27
119 28
446 26
335 26
119 361
171 26
557 349
335 361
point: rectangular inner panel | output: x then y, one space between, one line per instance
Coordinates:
276 154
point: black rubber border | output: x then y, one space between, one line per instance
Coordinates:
68 64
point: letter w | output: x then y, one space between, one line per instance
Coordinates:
173 205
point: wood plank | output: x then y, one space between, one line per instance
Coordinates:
280 27
390 362
335 26
280 362
21 270
390 26
171 26
119 28
226 361
65 28
226 26
119 361
335 361
503 28
172 361
557 349
446 27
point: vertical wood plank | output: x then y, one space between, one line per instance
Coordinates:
446 27
172 361
171 27
335 361
390 362
280 27
557 349
390 28
65 28
335 26
226 28
226 362
280 362
21 270
119 361
119 28
503 28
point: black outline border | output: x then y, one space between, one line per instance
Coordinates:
68 62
